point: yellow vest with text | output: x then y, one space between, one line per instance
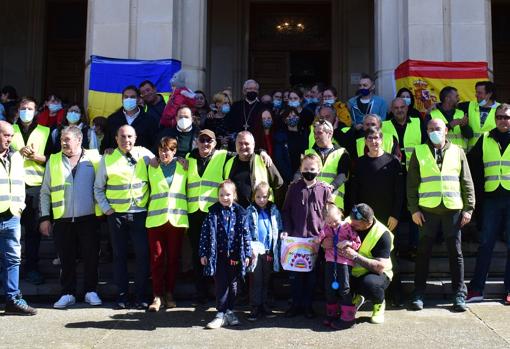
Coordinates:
365 250
330 171
12 186
455 135
57 182
387 145
412 136
167 203
435 185
496 167
259 171
474 122
124 186
34 172
203 190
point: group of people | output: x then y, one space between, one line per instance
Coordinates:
237 179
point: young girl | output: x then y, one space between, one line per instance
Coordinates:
265 224
338 268
225 251
302 217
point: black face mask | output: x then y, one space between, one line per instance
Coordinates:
251 96
309 176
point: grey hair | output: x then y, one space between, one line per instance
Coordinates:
74 130
396 100
379 121
247 134
250 81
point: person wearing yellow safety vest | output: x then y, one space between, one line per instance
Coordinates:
459 131
248 169
325 113
67 197
335 161
167 220
441 197
490 161
481 112
32 141
121 190
373 269
12 203
154 102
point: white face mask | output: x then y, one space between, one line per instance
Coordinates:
436 137
184 123
26 115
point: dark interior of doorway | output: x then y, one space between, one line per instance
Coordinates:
501 48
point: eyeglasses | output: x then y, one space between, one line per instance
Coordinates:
502 117
205 140
373 138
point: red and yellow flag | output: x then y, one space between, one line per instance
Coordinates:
426 79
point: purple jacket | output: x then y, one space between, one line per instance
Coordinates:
302 210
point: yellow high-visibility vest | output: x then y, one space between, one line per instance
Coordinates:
57 182
439 185
259 171
496 167
474 122
123 187
330 171
455 135
167 203
412 136
34 171
12 186
203 190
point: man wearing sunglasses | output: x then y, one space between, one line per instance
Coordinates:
490 162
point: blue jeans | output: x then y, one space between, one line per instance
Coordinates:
494 209
10 251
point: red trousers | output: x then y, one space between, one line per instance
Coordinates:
165 249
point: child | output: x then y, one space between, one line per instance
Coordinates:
302 217
225 251
338 268
265 224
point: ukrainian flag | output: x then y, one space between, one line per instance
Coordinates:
426 79
109 76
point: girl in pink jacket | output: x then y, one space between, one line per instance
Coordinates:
338 269
181 95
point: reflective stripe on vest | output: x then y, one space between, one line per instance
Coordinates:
258 171
330 172
57 182
12 187
474 122
496 167
126 186
203 191
369 242
34 171
436 186
387 145
167 204
412 136
455 135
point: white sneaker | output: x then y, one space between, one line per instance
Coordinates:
93 299
64 301
231 318
219 321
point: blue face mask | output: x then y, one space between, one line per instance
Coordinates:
54 107
436 137
482 103
73 117
315 100
225 108
308 100
329 102
277 103
129 104
267 123
293 120
294 104
26 115
407 100
364 92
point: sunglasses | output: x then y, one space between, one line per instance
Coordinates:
357 215
502 117
205 140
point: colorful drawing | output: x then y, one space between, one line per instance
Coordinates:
298 254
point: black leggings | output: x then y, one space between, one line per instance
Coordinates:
343 293
371 286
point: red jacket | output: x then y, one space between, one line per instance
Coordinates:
181 96
45 119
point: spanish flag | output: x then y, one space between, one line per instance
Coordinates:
426 79
109 76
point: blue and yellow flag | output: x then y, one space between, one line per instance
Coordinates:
109 76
